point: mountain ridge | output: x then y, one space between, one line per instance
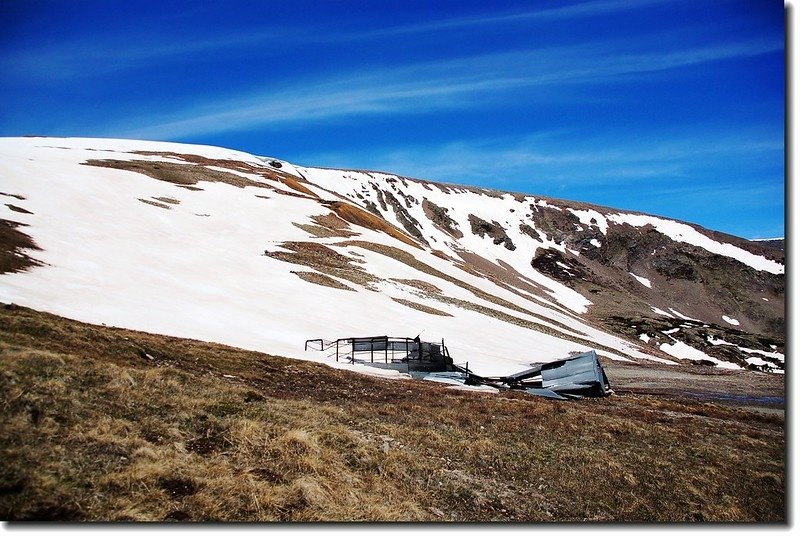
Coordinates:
620 281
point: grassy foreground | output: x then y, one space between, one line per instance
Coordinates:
100 423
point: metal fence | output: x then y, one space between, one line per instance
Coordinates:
384 349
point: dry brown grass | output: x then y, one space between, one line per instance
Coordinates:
421 307
331 221
101 423
321 279
296 185
420 285
176 173
360 217
327 225
323 259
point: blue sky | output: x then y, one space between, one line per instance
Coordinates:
671 107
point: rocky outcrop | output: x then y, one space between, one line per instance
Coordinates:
494 230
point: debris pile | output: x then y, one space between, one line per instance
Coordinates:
570 378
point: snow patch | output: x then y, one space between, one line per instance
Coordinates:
681 350
684 233
730 320
596 243
684 317
770 367
643 281
775 355
591 218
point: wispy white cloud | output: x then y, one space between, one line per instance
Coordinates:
571 11
545 160
102 54
429 86
105 53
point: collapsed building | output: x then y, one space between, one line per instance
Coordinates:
576 376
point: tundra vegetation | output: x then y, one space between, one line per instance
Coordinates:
100 423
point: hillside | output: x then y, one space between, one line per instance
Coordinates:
258 253
102 423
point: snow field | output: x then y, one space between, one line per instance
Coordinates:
197 269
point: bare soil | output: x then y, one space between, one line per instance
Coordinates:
421 307
750 389
321 279
13 244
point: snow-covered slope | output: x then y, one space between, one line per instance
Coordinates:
219 245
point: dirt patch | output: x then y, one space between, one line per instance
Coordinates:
296 185
423 286
321 232
408 259
18 209
331 221
175 173
323 259
165 199
13 242
328 225
154 203
15 196
763 391
177 487
421 307
321 279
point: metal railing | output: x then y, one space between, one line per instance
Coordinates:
383 348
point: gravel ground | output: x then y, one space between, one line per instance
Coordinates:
754 390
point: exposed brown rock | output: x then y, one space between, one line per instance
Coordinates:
494 230
440 218
18 209
13 242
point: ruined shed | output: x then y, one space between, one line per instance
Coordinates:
576 376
